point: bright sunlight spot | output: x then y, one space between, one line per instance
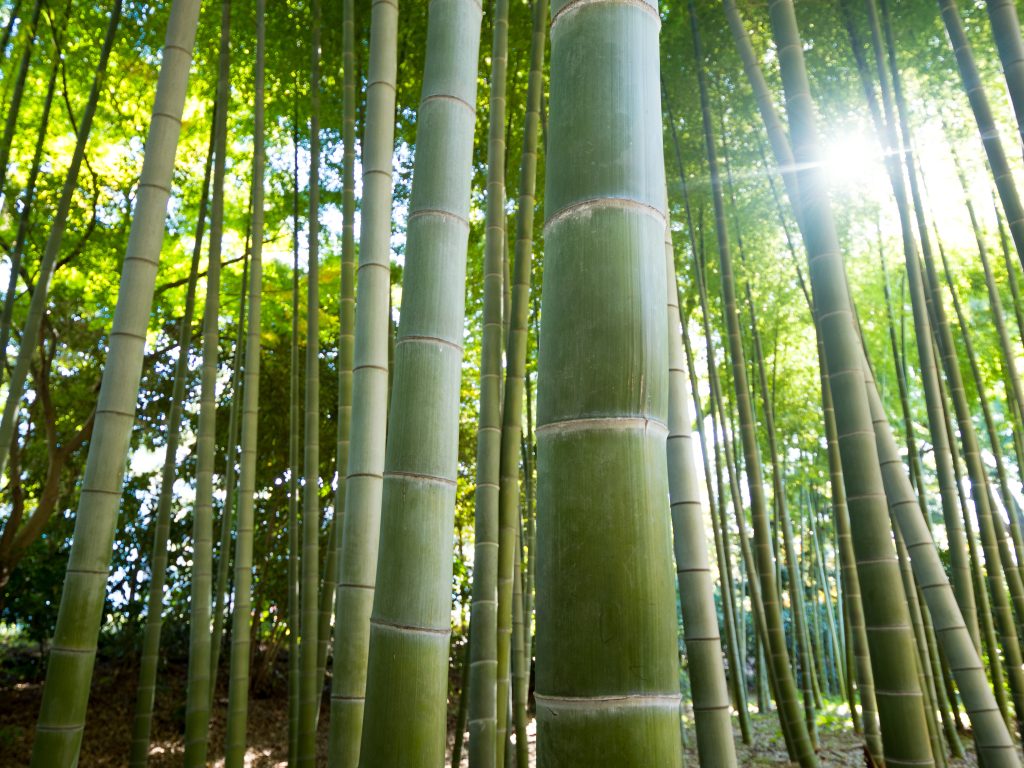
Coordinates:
855 160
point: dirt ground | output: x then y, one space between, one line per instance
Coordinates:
108 730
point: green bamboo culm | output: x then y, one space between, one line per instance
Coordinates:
885 120
12 20
28 199
161 521
170 466
227 512
607 689
736 677
804 648
73 651
972 85
491 609
516 350
51 251
1009 366
294 438
407 675
200 675
712 720
798 742
992 738
1006 32
462 716
361 526
346 324
520 672
310 684
887 620
860 669
14 106
238 681
851 582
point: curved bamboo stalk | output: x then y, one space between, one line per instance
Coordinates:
992 739
62 714
988 633
1001 571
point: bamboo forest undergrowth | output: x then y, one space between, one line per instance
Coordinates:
493 383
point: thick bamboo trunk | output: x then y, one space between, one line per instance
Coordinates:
607 687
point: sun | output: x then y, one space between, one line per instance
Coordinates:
853 162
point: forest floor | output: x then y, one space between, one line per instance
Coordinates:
108 729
